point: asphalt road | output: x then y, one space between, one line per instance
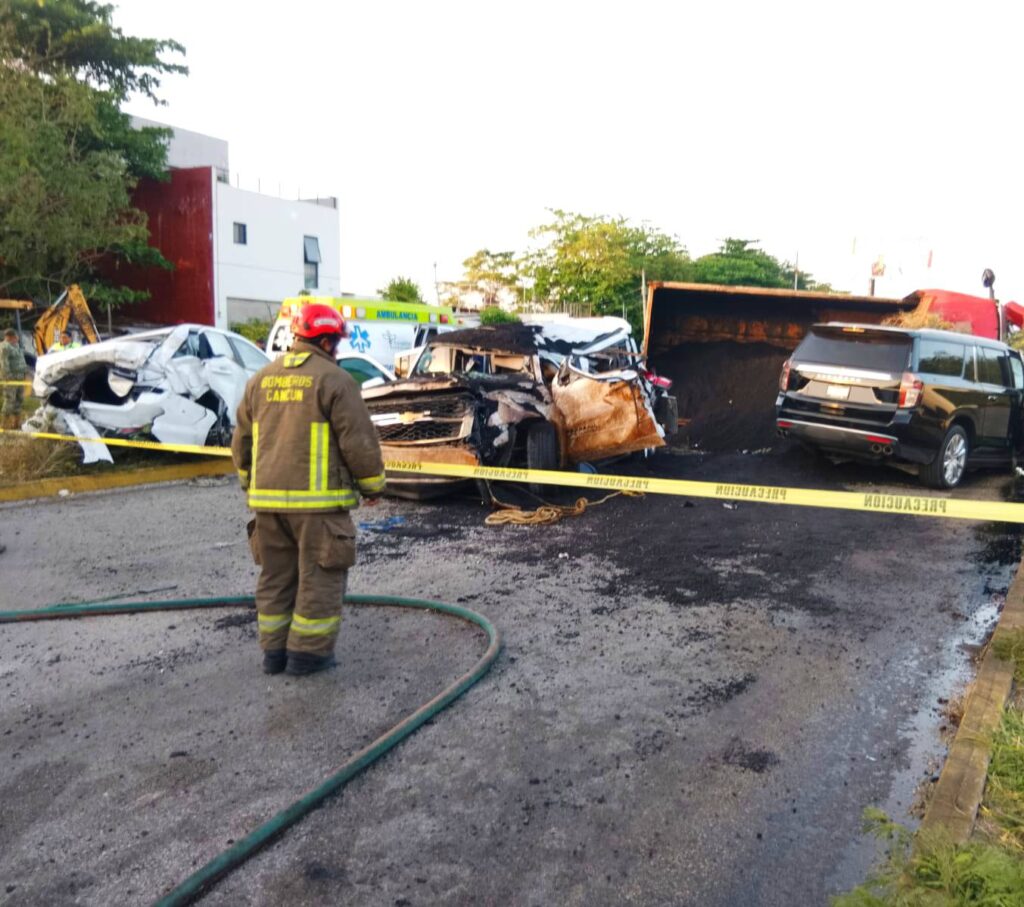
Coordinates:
694 705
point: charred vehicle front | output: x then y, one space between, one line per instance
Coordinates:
547 394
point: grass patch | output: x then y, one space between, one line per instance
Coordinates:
25 459
1001 818
988 871
936 873
1010 647
28 459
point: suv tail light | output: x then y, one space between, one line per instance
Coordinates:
784 377
910 390
656 380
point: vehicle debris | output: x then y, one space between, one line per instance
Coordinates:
178 385
385 525
547 393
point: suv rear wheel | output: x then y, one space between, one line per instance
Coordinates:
950 464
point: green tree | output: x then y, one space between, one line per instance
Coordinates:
596 263
489 273
69 157
493 314
402 289
739 263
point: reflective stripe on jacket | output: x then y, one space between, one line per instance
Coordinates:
304 440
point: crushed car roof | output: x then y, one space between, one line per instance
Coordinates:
552 333
511 338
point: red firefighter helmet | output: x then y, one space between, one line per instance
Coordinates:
317 320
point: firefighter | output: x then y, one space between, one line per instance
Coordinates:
305 449
13 368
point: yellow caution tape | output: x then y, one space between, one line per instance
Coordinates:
15 383
868 501
124 442
873 502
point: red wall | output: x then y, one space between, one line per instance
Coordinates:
181 227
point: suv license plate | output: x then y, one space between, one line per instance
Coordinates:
838 391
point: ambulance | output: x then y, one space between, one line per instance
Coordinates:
376 327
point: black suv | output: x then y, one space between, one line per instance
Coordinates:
930 402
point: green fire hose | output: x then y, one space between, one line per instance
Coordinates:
201 880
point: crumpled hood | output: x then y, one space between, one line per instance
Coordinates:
126 353
413 385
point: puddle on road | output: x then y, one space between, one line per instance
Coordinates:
997 559
921 742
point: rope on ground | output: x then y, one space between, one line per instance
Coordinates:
546 514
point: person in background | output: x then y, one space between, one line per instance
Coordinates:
65 343
13 369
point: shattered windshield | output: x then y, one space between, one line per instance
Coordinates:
449 360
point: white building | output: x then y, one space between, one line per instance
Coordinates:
237 253
267 248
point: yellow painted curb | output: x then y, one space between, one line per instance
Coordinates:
121 479
958 793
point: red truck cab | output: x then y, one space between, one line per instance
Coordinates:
977 315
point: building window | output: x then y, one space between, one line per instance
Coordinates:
240 234
311 259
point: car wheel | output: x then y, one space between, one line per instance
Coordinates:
950 463
483 486
221 431
542 450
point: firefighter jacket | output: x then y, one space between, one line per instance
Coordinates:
304 442
12 362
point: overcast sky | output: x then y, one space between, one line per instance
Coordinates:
836 130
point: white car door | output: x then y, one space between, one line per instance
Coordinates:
225 376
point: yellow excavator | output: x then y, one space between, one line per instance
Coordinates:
55 320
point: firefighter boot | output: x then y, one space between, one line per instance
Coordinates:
274 661
300 663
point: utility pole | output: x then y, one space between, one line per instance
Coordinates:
437 291
796 272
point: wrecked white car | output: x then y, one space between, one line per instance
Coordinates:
178 385
549 393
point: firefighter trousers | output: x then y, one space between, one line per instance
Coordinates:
304 560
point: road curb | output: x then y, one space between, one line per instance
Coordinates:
961 784
148 475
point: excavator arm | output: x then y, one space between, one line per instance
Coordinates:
54 321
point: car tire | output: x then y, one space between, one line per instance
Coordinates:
221 431
483 486
950 463
542 450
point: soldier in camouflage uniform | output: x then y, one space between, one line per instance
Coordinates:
12 368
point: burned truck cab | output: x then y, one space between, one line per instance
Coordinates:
544 395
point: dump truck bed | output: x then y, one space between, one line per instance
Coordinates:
723 348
